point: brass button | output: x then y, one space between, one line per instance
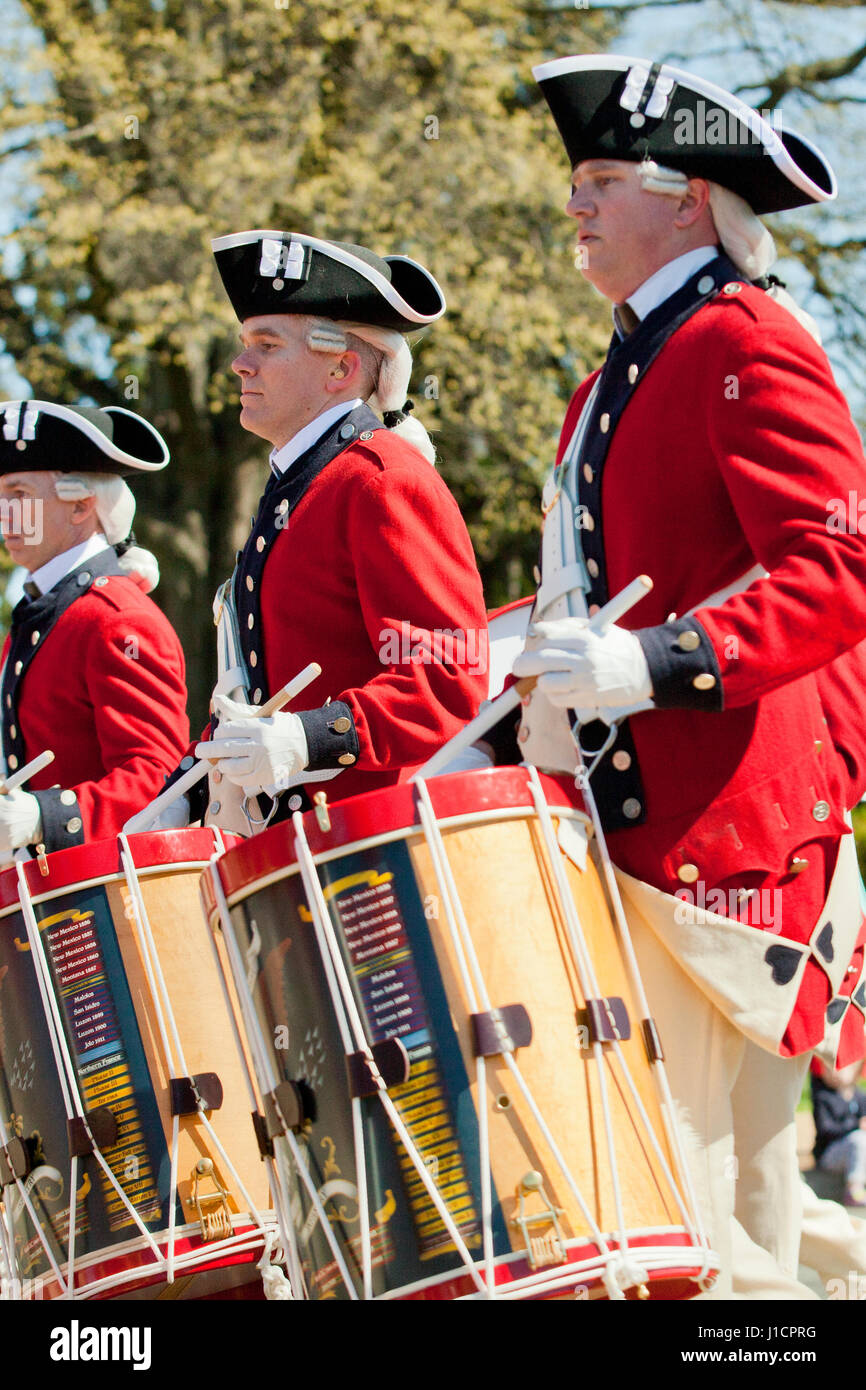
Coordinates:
278 284
254 659
631 808
621 760
604 423
821 810
705 284
732 287
689 641
592 567
19 667
282 508
251 622
12 761
74 825
593 609
257 697
35 638
587 521
687 873
366 434
797 865
342 725
633 373
295 802
13 732
347 431
260 544
101 582
346 758
251 584
68 798
704 681
186 763
588 473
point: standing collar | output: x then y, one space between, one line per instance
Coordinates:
284 457
667 280
57 568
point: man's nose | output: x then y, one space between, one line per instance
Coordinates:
580 202
242 365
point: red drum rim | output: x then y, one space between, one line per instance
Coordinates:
101 860
509 607
389 811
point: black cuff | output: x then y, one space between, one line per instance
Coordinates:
62 825
682 665
197 795
332 740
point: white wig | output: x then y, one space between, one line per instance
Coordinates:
395 369
115 510
742 235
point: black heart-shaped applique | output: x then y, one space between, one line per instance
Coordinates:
783 961
835 1009
824 942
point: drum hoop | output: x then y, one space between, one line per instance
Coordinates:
675 1242
510 813
250 1238
104 879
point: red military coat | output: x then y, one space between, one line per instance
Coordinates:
730 451
104 688
360 560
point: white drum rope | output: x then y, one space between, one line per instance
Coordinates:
319 911
657 1065
37 1225
580 952
65 1063
458 925
262 1065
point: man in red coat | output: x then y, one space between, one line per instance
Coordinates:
92 670
358 558
706 454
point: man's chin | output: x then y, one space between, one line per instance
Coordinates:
248 421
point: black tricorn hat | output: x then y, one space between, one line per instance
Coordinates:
42 435
268 272
607 106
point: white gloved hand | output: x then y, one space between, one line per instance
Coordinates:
591 672
20 821
472 759
256 753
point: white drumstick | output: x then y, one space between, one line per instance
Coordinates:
8 784
194 774
510 699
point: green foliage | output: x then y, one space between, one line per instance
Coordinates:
145 129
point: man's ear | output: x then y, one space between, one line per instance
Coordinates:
83 510
693 203
345 372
